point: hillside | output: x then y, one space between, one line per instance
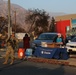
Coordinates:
20 13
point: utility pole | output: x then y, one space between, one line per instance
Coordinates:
9 20
15 20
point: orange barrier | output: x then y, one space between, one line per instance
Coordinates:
21 53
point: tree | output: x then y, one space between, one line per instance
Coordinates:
52 25
4 26
38 19
3 23
18 28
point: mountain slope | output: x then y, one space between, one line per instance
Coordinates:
20 13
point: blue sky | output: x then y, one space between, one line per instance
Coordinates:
65 6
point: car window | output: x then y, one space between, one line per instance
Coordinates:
74 39
71 37
46 36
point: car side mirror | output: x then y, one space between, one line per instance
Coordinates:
69 40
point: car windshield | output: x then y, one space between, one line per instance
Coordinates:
71 37
74 39
46 36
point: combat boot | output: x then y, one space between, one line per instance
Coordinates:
5 63
12 62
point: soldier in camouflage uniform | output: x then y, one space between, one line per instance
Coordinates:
11 45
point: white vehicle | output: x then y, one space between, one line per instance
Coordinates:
71 46
20 35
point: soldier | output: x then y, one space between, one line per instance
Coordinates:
11 45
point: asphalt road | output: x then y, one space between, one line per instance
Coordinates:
21 67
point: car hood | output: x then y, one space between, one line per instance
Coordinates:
71 43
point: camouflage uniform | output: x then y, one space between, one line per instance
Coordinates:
11 45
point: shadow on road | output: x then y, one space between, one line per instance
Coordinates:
22 68
8 65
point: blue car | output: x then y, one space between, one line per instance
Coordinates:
44 37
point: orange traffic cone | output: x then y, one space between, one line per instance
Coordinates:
21 53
